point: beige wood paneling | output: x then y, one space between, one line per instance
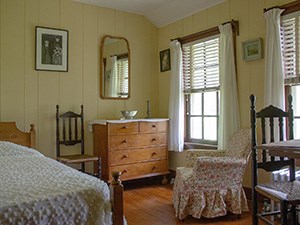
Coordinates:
106 26
90 69
12 65
271 3
224 11
70 85
200 21
49 15
188 25
29 96
213 16
0 56
31 75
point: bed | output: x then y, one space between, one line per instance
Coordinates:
35 189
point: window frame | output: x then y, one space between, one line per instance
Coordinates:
190 143
288 9
204 35
188 117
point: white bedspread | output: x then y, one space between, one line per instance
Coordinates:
35 189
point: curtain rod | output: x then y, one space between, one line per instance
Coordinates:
175 39
288 8
267 9
234 23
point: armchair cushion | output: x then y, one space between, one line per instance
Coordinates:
219 172
239 146
193 154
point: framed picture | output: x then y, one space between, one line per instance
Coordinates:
51 49
165 63
252 49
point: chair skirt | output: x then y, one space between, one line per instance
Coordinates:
191 197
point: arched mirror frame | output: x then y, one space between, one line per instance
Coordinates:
102 95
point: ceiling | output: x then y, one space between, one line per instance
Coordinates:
159 12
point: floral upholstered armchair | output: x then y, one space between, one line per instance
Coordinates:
211 184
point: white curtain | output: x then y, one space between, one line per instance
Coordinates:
113 82
274 79
229 120
176 101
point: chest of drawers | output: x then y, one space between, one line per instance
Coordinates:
136 148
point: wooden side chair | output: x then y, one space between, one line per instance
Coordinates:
71 125
287 194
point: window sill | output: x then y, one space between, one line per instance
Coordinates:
191 145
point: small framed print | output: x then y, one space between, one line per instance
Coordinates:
165 63
252 49
51 49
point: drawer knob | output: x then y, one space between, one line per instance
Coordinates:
124 127
124 171
124 141
154 168
124 157
153 139
153 125
154 153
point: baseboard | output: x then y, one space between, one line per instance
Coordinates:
248 192
172 173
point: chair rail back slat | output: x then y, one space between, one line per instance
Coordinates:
271 117
71 123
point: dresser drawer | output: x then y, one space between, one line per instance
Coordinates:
123 141
123 128
140 169
155 139
139 155
151 127
137 140
137 148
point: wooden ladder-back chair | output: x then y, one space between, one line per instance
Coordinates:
285 193
72 126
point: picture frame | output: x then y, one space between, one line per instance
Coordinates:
51 49
252 49
165 60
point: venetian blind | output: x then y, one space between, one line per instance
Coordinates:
201 65
290 34
123 77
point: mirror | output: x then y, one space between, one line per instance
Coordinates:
114 68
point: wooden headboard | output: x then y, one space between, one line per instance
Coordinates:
10 132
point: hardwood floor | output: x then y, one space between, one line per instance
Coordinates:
152 205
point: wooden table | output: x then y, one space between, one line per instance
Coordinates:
290 149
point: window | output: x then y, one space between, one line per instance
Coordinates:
290 25
122 77
123 81
201 89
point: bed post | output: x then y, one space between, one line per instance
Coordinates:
116 194
32 136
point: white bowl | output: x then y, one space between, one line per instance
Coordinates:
129 114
